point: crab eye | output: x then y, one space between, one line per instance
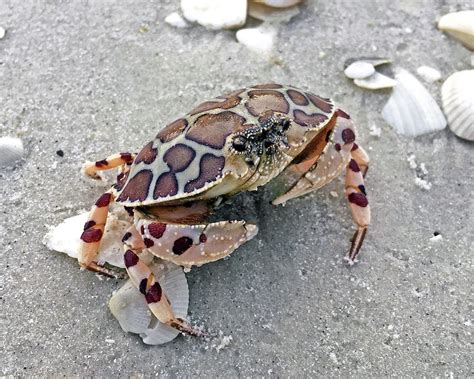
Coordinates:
239 144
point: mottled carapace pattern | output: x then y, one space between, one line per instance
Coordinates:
189 154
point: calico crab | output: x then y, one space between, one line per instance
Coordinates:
233 143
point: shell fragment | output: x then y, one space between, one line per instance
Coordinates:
375 82
457 95
459 25
215 14
359 70
11 151
411 110
259 40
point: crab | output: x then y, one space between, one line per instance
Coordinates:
233 143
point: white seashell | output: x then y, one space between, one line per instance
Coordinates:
175 19
374 61
65 238
429 74
2 32
359 70
375 81
278 3
411 110
11 151
129 307
457 95
215 14
459 25
265 13
259 40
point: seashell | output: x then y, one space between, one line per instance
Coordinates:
65 238
175 19
265 13
429 74
457 95
129 307
375 81
278 3
459 25
374 61
215 14
359 70
11 151
411 110
260 40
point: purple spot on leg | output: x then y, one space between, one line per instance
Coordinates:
181 245
354 166
354 146
91 235
148 242
358 199
337 147
142 286
104 200
101 163
130 258
89 224
362 189
348 135
126 236
126 157
154 294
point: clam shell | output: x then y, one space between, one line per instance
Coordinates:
359 70
215 14
411 110
457 95
129 307
374 61
375 81
459 25
265 13
278 3
11 151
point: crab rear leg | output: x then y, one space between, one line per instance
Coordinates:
144 280
115 160
341 151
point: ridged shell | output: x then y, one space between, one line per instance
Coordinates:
460 25
457 94
411 110
129 307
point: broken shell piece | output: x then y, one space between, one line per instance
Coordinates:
374 61
2 32
459 25
11 151
411 110
457 95
215 14
175 19
130 309
265 13
359 70
260 40
278 3
375 81
429 74
65 238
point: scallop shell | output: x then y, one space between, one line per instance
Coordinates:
278 3
375 81
11 151
129 307
460 25
457 95
411 110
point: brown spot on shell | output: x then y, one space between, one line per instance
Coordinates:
305 119
297 97
121 180
230 101
172 130
166 185
265 100
268 86
210 168
147 154
213 129
323 104
137 187
179 157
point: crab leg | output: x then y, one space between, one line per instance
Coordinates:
91 168
143 279
340 152
92 235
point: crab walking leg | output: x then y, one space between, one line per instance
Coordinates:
91 168
92 235
144 280
357 197
361 157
